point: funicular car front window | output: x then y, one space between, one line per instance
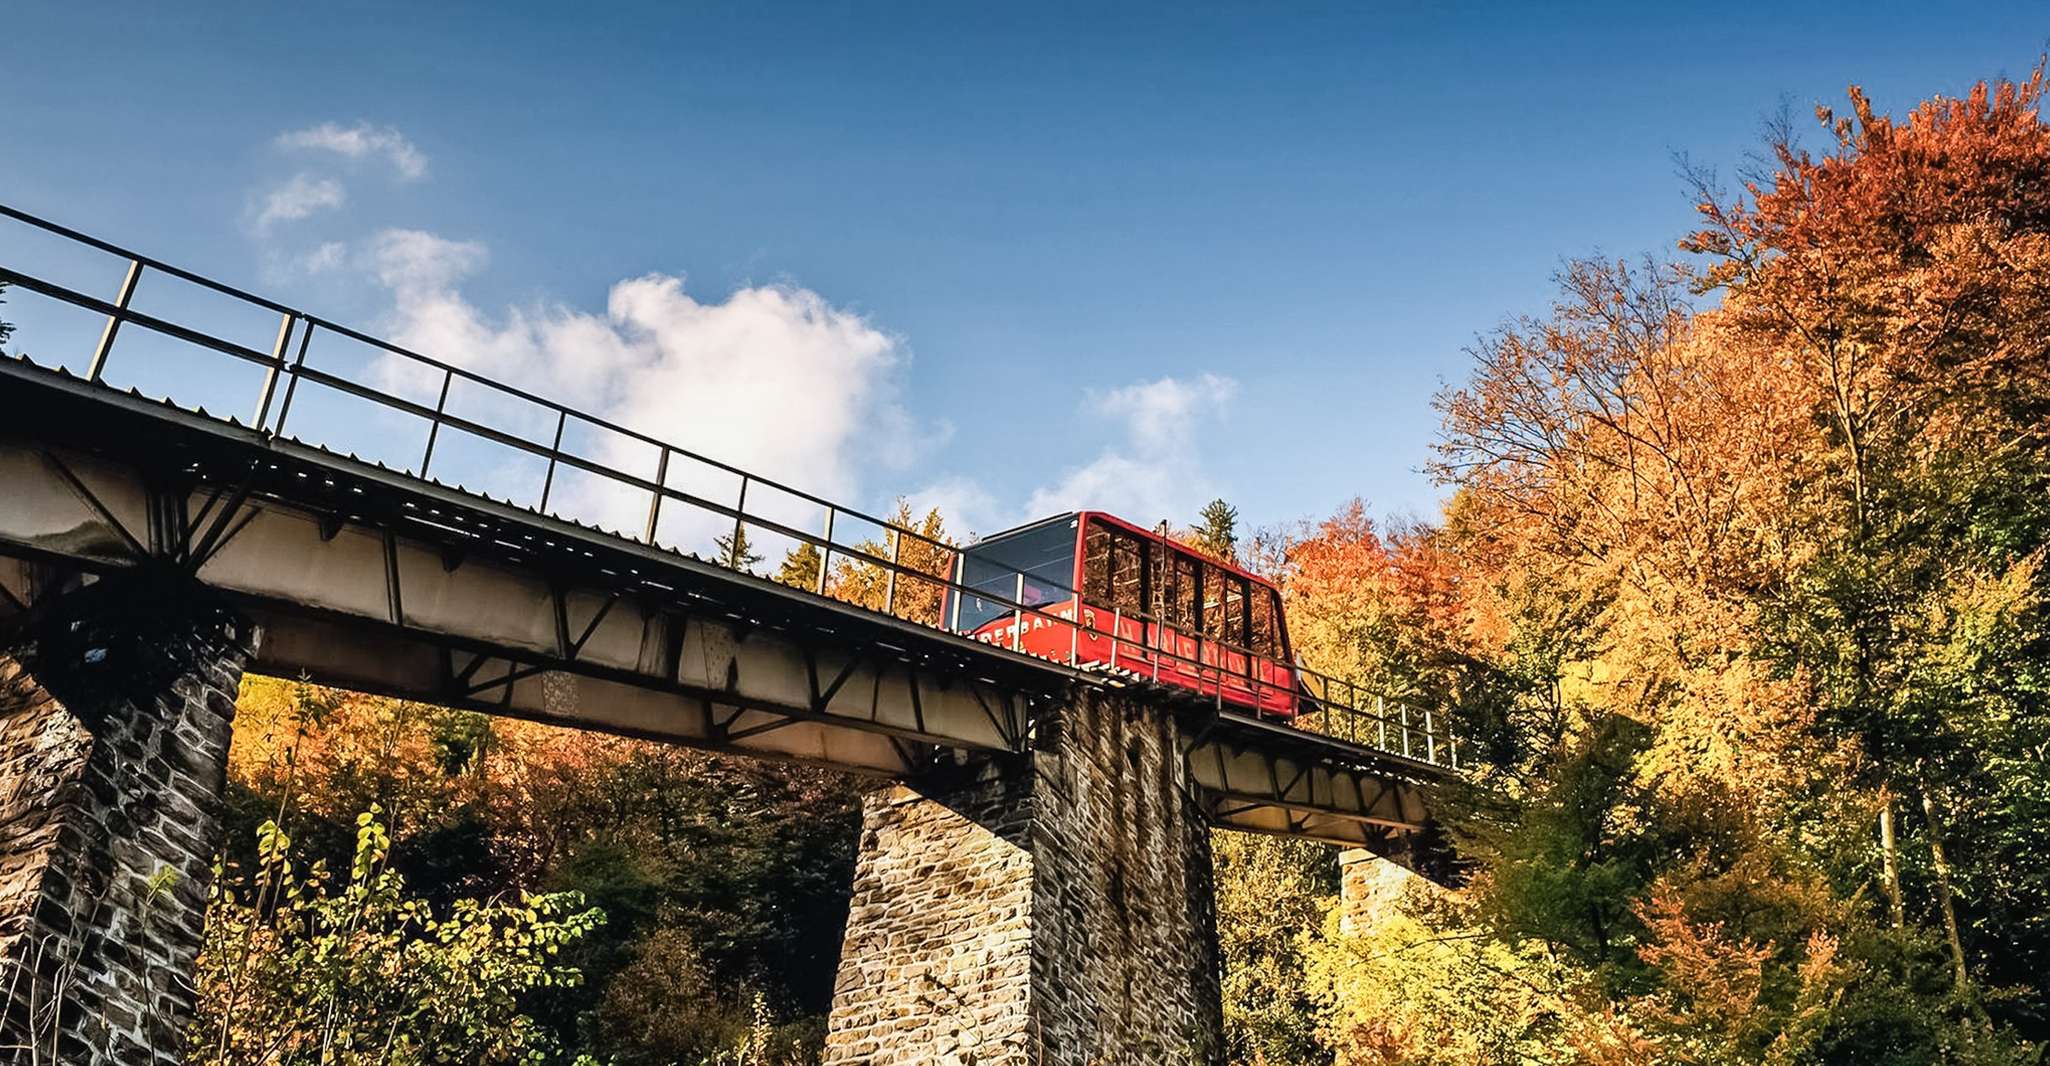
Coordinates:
1045 555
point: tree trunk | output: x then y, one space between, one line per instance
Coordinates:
1889 862
1943 890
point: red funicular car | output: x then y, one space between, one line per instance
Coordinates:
1147 606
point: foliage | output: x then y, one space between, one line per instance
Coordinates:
924 562
1269 890
1741 600
735 552
299 968
1418 983
1797 540
736 873
800 566
1216 531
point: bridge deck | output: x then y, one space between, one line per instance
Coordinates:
390 581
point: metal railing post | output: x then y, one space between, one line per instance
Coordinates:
1117 634
1152 645
554 454
1381 716
890 580
448 378
270 374
826 556
1430 739
292 386
99 363
655 504
1404 709
736 558
1018 615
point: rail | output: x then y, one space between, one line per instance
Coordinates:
1325 705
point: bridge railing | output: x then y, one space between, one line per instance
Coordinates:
914 571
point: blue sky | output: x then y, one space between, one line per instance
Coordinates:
1004 259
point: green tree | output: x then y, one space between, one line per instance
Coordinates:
297 968
1216 531
800 567
735 553
1270 892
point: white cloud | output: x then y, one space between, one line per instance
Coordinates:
303 195
969 509
1155 470
417 265
772 379
331 255
361 141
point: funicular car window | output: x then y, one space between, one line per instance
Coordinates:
1266 635
1044 554
1224 606
1174 584
1114 569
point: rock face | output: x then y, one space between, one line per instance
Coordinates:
1053 909
113 756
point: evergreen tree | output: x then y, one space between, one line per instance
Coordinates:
735 553
1217 532
800 567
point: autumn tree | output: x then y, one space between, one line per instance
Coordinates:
915 588
800 566
1757 590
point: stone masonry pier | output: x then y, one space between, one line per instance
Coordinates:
115 720
1054 909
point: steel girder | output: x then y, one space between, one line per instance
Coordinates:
375 580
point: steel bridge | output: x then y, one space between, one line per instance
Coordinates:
323 507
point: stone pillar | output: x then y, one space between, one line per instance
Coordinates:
1053 909
114 730
1370 888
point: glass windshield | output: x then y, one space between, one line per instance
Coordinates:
1044 554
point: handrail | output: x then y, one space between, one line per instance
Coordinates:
1311 691
316 321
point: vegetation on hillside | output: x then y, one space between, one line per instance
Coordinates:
687 907
1742 589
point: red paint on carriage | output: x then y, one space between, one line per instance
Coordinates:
1089 587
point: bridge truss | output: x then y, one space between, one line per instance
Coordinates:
383 578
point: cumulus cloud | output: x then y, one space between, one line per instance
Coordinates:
303 195
1155 468
360 141
417 265
970 509
773 379
330 255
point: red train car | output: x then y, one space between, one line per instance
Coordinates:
1098 589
